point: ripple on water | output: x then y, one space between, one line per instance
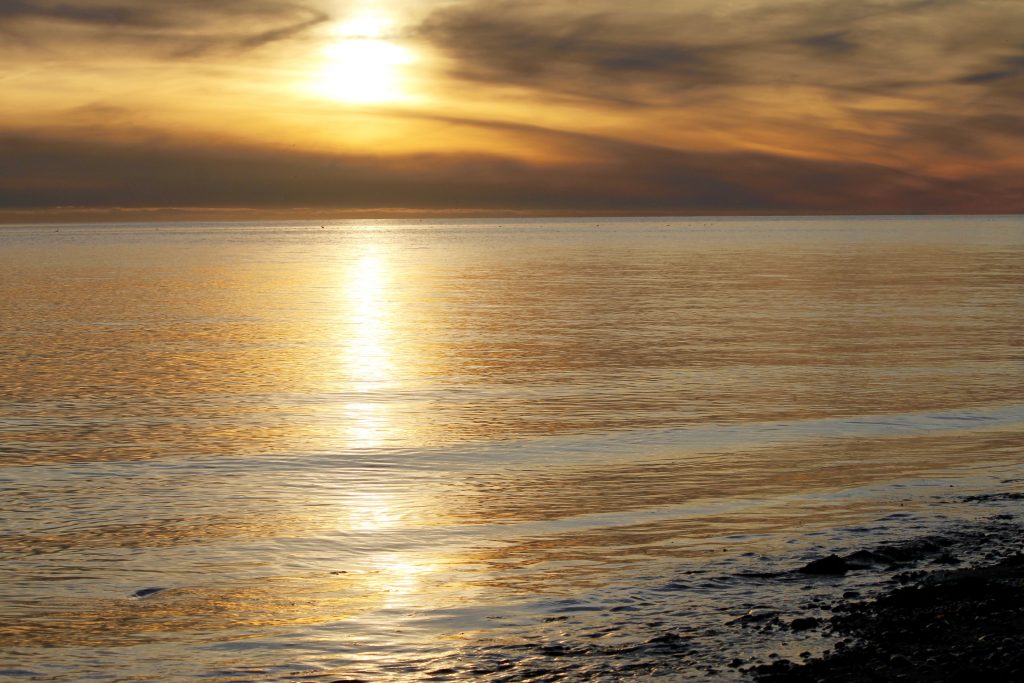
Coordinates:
451 451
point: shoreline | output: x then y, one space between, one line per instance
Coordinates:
951 610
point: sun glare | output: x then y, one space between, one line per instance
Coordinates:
362 66
367 347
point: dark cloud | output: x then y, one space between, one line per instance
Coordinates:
1005 68
1005 124
579 51
650 50
833 43
45 171
598 55
522 46
85 13
282 33
181 28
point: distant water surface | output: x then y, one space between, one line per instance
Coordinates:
477 449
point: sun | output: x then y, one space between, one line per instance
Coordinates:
362 66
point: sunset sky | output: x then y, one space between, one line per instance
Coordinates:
356 107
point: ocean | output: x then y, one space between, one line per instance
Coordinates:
504 449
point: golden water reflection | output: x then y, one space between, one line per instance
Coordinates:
369 511
367 337
403 580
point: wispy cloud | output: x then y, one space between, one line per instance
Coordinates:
1010 67
598 106
648 49
597 54
630 178
182 28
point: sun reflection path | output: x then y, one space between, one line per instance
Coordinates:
370 320
372 513
397 577
404 580
368 354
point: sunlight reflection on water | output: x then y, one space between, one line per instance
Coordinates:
366 339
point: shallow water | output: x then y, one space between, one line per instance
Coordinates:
478 449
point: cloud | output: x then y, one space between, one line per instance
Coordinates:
652 50
283 33
105 15
813 106
893 80
597 55
1005 68
184 28
833 43
41 171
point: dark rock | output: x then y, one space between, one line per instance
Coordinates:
899 661
667 639
803 623
987 497
864 559
145 592
833 565
951 625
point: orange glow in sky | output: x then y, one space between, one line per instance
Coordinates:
692 107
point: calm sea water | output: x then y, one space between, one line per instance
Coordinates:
495 450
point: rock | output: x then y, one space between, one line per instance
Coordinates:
146 592
865 559
669 639
833 565
803 623
899 661
948 624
